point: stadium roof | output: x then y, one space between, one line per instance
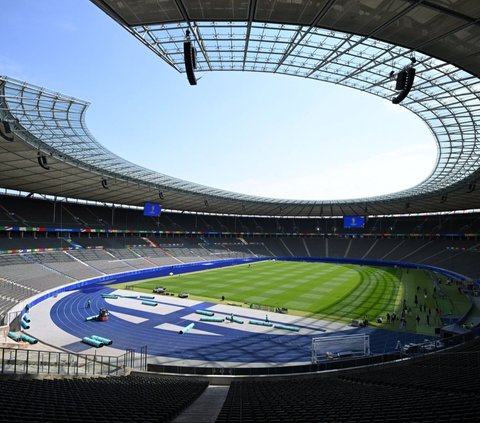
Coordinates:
348 42
445 29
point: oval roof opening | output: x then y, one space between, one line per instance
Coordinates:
280 137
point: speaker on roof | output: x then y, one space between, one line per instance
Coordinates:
42 161
5 131
190 62
190 58
401 80
194 58
104 183
404 83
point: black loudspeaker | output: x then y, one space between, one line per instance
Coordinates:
42 161
104 183
401 80
6 132
404 83
194 58
189 54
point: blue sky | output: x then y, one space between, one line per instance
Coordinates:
270 135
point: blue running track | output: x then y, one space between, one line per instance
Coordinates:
227 343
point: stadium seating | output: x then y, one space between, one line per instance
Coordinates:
423 391
75 270
444 372
44 270
359 247
438 388
117 241
17 243
405 248
317 247
34 276
119 252
337 247
40 213
295 247
115 398
273 246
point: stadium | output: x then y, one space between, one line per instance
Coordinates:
133 295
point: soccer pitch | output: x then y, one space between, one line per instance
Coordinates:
330 291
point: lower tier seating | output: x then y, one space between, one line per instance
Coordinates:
114 399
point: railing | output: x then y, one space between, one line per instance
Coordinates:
35 362
277 370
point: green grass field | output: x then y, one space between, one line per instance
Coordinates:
321 290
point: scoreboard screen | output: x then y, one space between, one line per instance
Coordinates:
353 222
152 209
